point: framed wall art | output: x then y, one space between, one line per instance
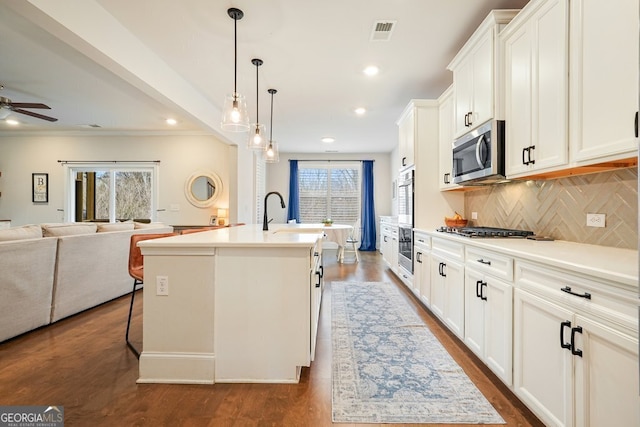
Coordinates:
40 187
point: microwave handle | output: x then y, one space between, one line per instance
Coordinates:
479 145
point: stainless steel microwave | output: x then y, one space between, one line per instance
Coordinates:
478 157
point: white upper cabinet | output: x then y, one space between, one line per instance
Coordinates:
445 138
536 88
406 137
604 80
475 75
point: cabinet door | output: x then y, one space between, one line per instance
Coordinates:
542 369
423 275
463 94
474 326
498 323
536 91
606 377
445 140
406 139
437 285
518 99
604 79
454 297
482 102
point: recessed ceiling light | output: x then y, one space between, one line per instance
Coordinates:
328 139
172 122
360 111
12 122
371 70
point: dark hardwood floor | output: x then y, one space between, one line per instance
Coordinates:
83 364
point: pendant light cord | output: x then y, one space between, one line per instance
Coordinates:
235 57
257 96
271 91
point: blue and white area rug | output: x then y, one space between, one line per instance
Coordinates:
389 368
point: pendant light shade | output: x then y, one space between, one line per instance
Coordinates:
234 115
271 150
257 138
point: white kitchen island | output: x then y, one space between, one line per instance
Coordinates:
242 305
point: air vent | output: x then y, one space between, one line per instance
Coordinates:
382 31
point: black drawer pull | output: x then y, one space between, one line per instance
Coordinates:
319 279
575 351
565 324
321 271
482 295
567 289
478 291
419 257
482 261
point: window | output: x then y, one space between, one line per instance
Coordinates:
111 193
329 190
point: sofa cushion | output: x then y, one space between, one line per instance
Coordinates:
20 233
68 229
115 226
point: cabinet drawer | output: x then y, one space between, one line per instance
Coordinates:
497 265
584 295
421 241
453 250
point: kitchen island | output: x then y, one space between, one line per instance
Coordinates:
234 304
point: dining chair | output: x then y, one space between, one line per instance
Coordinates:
352 242
136 271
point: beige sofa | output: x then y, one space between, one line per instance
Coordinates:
52 271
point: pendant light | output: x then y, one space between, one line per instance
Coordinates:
271 150
257 137
234 117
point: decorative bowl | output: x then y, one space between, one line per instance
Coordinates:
455 223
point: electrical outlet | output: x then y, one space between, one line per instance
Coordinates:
162 285
474 215
595 220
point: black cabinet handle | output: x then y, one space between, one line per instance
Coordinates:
531 161
524 150
567 289
419 257
565 324
483 297
385 239
404 161
575 351
319 276
441 267
446 178
470 113
635 125
321 271
478 291
466 120
482 261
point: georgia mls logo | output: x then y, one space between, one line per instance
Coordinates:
31 416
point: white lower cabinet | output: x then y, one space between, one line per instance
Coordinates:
447 284
488 314
575 351
316 284
422 268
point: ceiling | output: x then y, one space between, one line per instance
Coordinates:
126 66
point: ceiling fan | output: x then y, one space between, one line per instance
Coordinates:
7 106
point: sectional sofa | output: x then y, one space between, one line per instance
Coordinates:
52 271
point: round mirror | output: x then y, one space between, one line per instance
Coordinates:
203 188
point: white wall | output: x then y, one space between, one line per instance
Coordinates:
278 180
179 155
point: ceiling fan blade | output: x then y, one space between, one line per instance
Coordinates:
36 115
29 105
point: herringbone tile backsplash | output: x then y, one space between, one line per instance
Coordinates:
559 207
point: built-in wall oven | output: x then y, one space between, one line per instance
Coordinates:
405 219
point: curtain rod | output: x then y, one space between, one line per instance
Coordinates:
335 160
64 162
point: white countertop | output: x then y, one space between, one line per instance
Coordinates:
250 235
615 264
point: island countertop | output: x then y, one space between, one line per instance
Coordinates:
250 235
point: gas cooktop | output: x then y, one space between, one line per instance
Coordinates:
485 232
